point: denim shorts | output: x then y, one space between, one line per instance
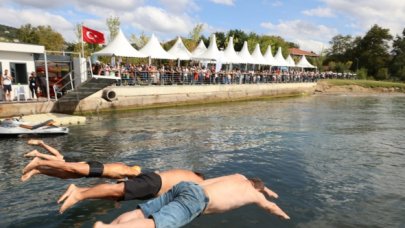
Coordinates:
177 207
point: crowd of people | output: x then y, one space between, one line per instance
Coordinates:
130 74
172 198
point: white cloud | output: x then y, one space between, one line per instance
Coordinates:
303 33
44 4
37 17
319 12
179 6
365 13
152 19
224 2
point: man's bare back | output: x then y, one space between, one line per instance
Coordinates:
233 191
175 176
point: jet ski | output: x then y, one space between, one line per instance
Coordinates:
15 127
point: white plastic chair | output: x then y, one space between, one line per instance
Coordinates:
20 91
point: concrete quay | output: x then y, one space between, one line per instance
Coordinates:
140 97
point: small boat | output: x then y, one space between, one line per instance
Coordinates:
15 127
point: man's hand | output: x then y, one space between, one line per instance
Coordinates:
35 142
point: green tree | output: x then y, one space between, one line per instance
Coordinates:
27 34
195 34
340 46
51 39
397 65
221 39
372 50
42 35
253 39
113 24
140 41
318 62
239 37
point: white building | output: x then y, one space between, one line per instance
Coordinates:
18 59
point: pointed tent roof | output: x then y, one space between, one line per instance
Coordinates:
268 56
279 59
290 61
230 55
179 51
244 54
303 63
201 48
212 52
258 57
154 50
120 47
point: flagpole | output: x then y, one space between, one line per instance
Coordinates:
81 35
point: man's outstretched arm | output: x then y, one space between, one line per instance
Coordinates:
75 194
270 207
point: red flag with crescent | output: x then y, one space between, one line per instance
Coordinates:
92 36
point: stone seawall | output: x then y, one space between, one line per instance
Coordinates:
129 97
137 97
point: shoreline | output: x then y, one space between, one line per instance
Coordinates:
324 87
138 98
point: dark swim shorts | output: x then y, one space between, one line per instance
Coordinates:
96 169
142 187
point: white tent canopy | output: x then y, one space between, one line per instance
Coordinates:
303 63
258 56
290 61
230 55
212 52
244 54
120 47
268 56
154 50
201 48
179 51
279 59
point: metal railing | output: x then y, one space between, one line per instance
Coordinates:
61 90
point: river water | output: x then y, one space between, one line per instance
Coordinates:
335 161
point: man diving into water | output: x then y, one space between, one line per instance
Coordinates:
186 201
138 186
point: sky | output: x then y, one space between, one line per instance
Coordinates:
311 23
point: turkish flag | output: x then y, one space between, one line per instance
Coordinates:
92 36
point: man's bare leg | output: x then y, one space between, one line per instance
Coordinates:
75 194
36 153
119 170
49 172
29 174
32 165
69 191
145 223
129 216
46 147
68 169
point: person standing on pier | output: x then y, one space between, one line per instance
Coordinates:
6 81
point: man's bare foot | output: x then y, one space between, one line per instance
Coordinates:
35 142
70 189
29 174
32 165
33 153
99 224
71 200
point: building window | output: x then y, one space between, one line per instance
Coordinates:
19 73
